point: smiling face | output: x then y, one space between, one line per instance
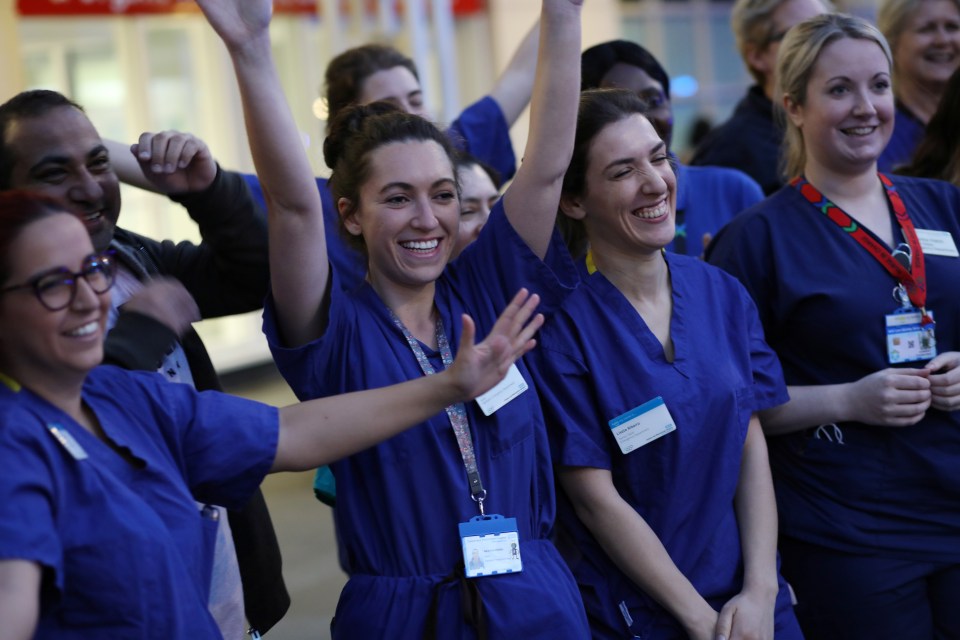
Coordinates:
396 85
629 203
477 197
928 49
60 154
408 214
38 346
847 118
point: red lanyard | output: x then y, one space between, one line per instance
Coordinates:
914 280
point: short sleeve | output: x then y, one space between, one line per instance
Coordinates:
769 388
483 131
28 495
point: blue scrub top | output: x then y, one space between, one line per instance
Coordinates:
399 503
125 550
599 360
822 299
481 130
709 197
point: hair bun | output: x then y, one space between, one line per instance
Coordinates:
348 123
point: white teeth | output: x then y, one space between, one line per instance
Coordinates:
92 216
85 330
859 131
420 245
652 212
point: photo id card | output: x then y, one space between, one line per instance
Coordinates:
642 425
509 388
491 546
907 339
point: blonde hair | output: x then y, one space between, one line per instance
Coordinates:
795 63
752 26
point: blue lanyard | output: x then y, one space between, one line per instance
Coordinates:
457 413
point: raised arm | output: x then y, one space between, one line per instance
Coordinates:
531 200
320 431
514 86
299 268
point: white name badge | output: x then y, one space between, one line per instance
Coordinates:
907 339
642 425
67 441
491 546
509 388
937 243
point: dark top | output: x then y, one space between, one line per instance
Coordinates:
750 141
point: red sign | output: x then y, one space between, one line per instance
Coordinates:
147 7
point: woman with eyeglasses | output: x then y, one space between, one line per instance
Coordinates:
100 535
855 275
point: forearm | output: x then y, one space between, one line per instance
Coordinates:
809 406
634 547
318 432
513 88
756 510
19 599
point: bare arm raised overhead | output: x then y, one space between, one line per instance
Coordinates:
299 268
532 199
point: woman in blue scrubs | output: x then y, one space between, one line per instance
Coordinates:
855 277
406 509
100 535
652 374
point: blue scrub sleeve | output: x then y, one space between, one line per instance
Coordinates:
483 131
769 388
224 445
27 494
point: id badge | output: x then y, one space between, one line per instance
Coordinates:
509 388
642 425
907 339
491 546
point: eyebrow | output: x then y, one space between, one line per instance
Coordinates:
408 186
622 161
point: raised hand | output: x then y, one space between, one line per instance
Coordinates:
238 22
479 367
175 162
890 397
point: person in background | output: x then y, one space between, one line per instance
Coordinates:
479 191
855 277
48 145
670 525
750 140
100 536
707 197
924 36
938 154
407 509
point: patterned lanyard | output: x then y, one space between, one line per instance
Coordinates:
913 280
457 413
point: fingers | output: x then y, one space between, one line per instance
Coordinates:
724 622
168 151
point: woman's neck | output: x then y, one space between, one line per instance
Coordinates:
861 195
414 306
641 277
920 99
